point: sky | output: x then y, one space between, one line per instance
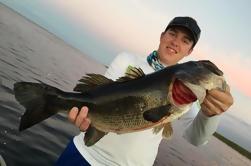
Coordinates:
102 29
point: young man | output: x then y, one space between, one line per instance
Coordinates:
140 148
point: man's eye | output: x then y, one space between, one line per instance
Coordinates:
172 33
186 41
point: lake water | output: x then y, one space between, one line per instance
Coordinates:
40 142
28 53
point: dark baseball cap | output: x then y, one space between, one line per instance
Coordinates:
189 23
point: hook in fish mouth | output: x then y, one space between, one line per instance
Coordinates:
181 94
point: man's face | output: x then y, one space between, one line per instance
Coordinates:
175 44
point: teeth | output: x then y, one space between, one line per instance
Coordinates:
172 50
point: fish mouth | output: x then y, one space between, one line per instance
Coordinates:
181 94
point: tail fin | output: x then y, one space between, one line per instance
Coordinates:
39 101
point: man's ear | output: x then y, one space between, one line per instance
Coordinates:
190 51
162 34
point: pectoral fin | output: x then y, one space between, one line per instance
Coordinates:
93 135
168 131
157 129
156 114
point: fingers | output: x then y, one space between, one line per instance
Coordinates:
79 118
82 122
217 102
210 109
84 125
73 114
223 97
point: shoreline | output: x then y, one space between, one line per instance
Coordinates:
233 145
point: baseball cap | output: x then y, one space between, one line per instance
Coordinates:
189 23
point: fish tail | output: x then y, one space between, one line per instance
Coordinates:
40 101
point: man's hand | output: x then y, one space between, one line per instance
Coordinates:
79 118
216 102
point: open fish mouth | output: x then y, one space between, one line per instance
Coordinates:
181 94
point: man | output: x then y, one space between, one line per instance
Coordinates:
140 148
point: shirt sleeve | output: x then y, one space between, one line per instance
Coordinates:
201 128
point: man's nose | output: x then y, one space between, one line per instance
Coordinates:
175 42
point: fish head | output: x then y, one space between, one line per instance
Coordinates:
193 79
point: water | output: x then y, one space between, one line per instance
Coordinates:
236 130
40 144
29 147
28 53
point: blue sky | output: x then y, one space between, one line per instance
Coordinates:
103 29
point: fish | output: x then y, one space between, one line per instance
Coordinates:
134 102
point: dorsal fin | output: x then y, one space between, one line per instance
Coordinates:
131 73
91 81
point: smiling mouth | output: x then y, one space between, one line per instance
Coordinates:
181 94
171 50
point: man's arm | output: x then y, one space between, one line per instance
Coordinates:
207 120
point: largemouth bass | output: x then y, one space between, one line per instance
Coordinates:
132 103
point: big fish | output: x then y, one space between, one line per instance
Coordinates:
132 103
